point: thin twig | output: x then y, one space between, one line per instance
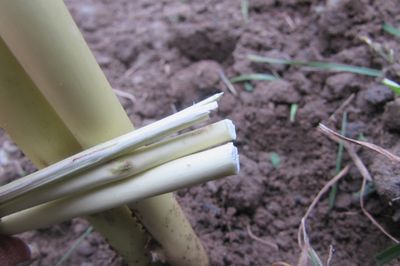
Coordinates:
356 159
358 162
227 83
330 183
342 107
263 241
125 95
372 219
307 252
280 263
334 135
362 169
289 21
330 256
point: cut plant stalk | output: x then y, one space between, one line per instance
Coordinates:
126 166
109 150
49 140
76 88
182 172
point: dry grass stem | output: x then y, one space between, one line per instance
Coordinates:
372 219
302 236
280 263
361 168
124 94
330 256
358 162
337 137
330 183
342 107
227 83
289 21
263 241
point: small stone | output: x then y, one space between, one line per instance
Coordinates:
378 95
79 228
396 216
85 249
227 104
280 225
344 201
313 113
391 115
195 82
278 91
339 85
274 208
230 211
126 50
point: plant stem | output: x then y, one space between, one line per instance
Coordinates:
49 46
35 22
26 116
126 166
106 151
186 171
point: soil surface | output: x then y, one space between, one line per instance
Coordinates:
169 54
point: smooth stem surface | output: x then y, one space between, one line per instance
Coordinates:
44 38
28 118
49 46
55 55
128 165
186 171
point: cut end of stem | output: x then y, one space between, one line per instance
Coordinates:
231 128
235 159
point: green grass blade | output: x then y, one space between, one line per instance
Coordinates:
293 111
318 65
314 258
74 246
248 87
388 254
275 160
245 10
339 160
254 76
390 29
270 60
395 87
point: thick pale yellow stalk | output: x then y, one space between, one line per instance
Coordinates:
28 118
39 132
45 40
49 46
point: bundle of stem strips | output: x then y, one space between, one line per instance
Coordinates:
56 102
122 171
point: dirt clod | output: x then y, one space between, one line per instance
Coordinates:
378 95
391 115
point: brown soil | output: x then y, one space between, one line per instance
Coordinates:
169 53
